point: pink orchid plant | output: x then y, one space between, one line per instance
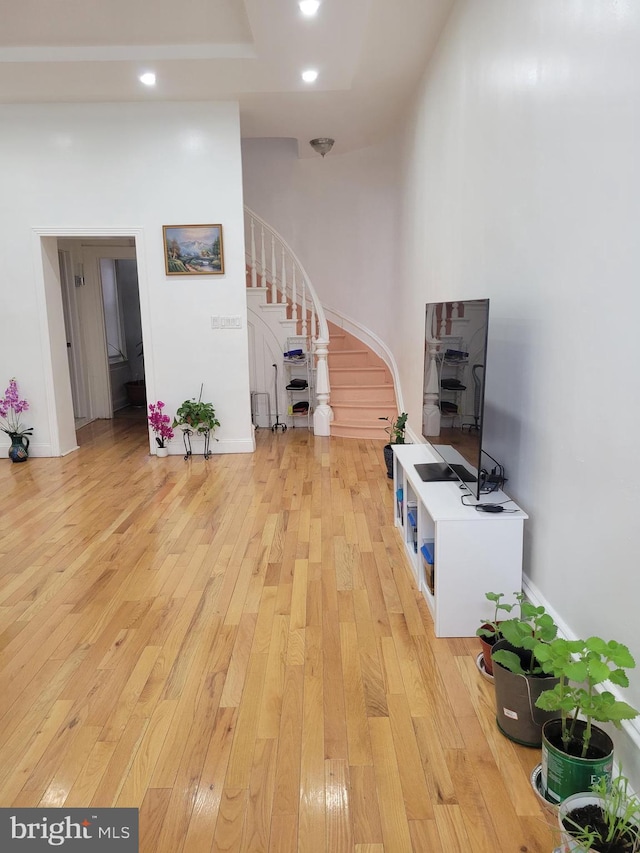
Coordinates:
11 407
160 423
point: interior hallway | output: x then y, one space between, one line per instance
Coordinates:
236 647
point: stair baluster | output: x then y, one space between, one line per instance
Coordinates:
254 272
274 275
263 260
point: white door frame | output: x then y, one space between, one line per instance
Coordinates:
62 437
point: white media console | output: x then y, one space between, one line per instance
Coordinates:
456 553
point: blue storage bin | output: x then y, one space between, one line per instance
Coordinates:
427 550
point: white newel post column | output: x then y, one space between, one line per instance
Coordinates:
323 414
431 410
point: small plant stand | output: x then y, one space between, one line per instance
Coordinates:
186 437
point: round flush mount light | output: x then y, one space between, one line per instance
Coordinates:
148 78
309 7
310 75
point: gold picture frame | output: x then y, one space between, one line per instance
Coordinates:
193 249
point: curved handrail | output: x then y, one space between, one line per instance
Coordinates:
288 282
262 268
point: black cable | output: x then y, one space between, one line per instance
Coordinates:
495 481
483 507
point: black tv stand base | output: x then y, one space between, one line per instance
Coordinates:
441 472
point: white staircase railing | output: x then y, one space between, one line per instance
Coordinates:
287 282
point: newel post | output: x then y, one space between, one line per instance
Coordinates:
431 410
323 414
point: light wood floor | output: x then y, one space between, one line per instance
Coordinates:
236 647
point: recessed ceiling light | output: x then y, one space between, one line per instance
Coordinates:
310 75
309 7
149 78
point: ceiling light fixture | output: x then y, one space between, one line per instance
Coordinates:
309 7
148 78
310 75
322 145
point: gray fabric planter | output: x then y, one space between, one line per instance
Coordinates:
516 713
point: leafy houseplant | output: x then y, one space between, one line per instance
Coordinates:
197 416
160 424
607 820
525 634
572 740
590 663
11 407
395 431
194 416
396 428
519 676
489 631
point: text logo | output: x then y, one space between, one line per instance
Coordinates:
73 830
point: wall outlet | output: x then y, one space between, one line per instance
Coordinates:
234 322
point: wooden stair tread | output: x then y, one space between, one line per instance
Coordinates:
368 369
361 404
379 386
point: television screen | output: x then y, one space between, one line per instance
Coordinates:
455 358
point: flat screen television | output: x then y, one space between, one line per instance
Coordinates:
455 361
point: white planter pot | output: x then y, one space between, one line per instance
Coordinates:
162 451
575 801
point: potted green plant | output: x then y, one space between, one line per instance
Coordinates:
519 676
574 750
194 416
604 820
489 631
395 431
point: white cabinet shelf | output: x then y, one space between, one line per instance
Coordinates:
473 552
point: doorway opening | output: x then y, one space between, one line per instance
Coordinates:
103 326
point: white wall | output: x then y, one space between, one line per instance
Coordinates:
125 169
522 184
340 216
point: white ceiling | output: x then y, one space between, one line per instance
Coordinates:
369 54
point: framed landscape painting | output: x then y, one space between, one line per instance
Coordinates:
193 249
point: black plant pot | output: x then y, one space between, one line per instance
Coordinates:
388 458
136 392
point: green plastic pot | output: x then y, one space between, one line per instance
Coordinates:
564 774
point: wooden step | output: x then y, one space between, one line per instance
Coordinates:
358 375
352 358
356 429
383 393
364 412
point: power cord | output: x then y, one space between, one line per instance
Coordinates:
492 481
495 507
